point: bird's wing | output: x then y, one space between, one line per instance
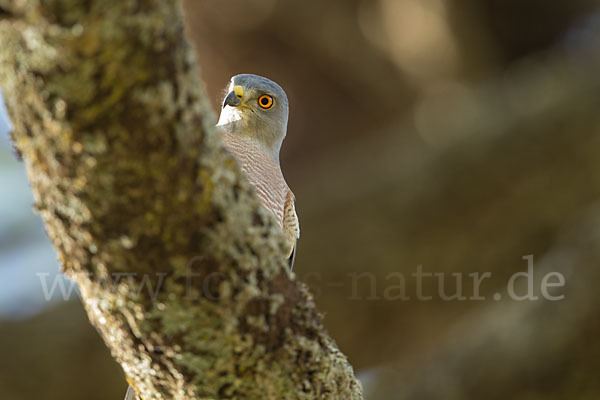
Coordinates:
291 225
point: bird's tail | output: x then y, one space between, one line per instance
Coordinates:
130 395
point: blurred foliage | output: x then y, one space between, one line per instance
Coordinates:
456 135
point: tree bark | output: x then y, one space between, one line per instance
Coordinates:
179 268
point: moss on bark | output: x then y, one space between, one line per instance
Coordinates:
180 270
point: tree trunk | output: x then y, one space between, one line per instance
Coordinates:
179 269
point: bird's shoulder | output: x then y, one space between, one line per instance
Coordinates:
290 216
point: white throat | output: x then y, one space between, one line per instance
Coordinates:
233 122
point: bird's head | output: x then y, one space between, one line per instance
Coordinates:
255 107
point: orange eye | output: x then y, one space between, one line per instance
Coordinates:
265 101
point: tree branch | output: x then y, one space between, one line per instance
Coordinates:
179 268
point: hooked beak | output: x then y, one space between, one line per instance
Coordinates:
234 98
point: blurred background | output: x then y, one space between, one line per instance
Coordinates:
455 135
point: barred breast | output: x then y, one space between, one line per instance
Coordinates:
264 174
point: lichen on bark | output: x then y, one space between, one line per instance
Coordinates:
179 268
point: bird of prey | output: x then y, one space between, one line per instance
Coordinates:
253 119
253 122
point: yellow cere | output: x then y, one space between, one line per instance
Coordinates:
239 91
